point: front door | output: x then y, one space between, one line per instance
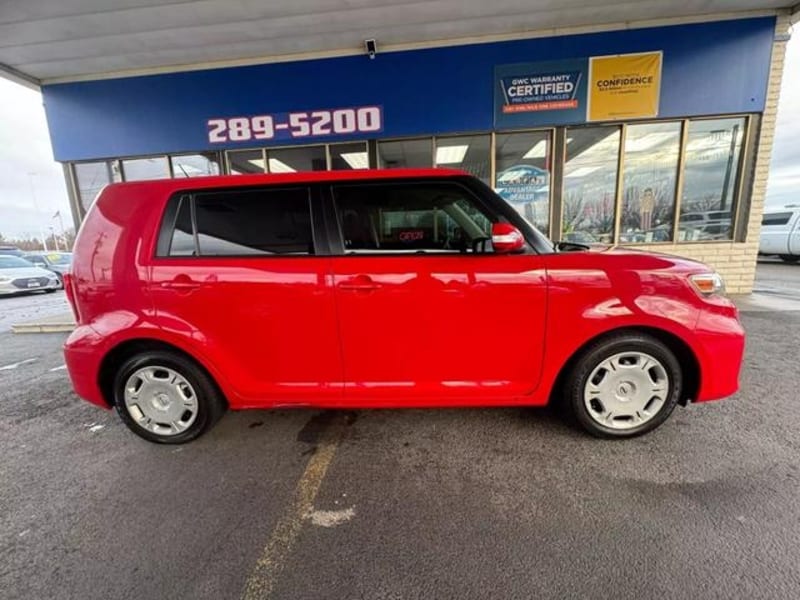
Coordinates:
247 287
428 314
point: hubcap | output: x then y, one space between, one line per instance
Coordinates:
160 400
626 390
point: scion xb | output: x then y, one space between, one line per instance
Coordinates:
384 288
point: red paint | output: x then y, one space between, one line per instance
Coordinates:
380 330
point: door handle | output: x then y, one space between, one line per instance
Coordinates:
361 283
181 283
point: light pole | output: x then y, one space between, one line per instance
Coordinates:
36 206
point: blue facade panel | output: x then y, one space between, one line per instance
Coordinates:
708 68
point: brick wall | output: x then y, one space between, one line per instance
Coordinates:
736 262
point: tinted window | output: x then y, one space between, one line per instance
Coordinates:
777 219
241 223
410 218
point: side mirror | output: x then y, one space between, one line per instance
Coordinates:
506 238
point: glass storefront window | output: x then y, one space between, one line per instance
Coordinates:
140 169
195 165
650 175
405 153
92 177
289 160
524 166
470 153
590 183
349 156
246 162
711 171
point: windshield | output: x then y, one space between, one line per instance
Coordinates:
59 258
13 262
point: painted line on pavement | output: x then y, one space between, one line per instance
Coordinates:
17 364
281 542
61 368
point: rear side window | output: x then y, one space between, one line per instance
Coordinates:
396 218
242 223
777 218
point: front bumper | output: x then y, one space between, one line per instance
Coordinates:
721 340
23 285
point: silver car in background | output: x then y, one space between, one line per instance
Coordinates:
18 276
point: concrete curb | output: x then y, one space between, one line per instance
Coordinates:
43 327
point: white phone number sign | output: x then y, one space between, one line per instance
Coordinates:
294 125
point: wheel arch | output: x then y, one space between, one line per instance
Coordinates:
128 348
686 357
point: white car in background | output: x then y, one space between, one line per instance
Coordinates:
780 233
18 276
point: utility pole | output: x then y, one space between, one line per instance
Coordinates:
36 206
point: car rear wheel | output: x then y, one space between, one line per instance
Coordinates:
624 386
166 398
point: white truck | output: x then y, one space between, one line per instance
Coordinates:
780 233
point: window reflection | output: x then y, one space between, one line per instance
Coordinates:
469 153
405 153
523 163
712 169
349 156
244 162
195 165
92 177
590 183
289 160
140 169
650 176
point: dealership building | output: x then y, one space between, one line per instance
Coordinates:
644 124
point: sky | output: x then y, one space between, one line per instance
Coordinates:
32 187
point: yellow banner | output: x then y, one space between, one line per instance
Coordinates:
624 86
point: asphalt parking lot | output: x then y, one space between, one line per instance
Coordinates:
501 503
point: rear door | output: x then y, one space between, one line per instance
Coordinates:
794 236
241 274
428 313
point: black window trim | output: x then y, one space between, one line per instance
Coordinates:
173 204
472 188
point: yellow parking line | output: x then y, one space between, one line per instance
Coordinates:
279 546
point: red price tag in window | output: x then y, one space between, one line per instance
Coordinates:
412 236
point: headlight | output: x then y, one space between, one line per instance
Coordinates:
708 284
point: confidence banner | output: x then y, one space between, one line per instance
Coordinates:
624 86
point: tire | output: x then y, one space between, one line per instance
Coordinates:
49 291
789 258
629 399
166 398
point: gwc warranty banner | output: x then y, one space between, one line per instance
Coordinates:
625 86
574 91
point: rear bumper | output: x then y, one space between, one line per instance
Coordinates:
83 352
721 340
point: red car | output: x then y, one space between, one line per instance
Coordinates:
384 288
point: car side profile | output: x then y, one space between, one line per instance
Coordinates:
780 233
380 288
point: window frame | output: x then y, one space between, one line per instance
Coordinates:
169 216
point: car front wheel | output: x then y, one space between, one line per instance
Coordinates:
166 398
623 386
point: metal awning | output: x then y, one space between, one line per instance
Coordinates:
47 41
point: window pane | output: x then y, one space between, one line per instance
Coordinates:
349 156
182 243
469 153
139 169
411 218
651 172
524 162
405 153
195 165
92 177
254 222
590 184
245 162
777 218
709 181
289 160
